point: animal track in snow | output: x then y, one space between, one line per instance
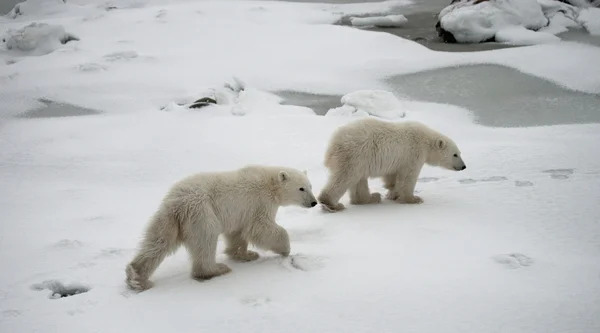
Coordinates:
559 173
67 244
91 67
513 260
254 301
121 56
59 290
523 183
11 313
303 262
112 252
427 179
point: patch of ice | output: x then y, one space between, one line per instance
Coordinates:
590 19
378 103
379 21
518 35
474 23
37 38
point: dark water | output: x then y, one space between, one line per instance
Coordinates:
7 5
498 96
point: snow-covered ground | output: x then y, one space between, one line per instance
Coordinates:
511 244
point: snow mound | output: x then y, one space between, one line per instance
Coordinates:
239 100
378 103
590 20
37 38
474 22
379 21
518 35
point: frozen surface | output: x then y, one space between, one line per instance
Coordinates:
379 103
379 21
511 242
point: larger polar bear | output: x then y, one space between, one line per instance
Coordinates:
241 204
395 151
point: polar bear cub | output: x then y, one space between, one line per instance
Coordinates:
241 204
394 151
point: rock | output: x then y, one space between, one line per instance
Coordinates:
477 21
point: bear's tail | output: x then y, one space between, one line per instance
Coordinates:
162 238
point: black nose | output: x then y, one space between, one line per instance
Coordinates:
314 203
464 167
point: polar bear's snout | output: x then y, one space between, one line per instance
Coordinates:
311 201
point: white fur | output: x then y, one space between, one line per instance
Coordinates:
395 151
241 204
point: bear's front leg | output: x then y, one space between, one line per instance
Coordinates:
237 247
269 236
406 181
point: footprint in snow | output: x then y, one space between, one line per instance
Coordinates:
11 313
303 262
254 301
427 179
487 179
513 260
90 67
523 183
59 290
559 173
67 244
121 56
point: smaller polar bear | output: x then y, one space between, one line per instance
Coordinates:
241 204
394 151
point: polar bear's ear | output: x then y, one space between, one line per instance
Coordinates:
283 176
440 143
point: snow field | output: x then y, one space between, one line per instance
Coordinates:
508 244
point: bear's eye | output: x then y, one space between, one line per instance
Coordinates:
455 155
301 189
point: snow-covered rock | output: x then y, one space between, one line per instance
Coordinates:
379 21
590 20
561 16
518 35
237 99
37 38
475 21
378 103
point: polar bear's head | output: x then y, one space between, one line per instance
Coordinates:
296 189
446 154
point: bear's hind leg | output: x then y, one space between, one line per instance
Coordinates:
160 240
237 247
200 239
360 194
